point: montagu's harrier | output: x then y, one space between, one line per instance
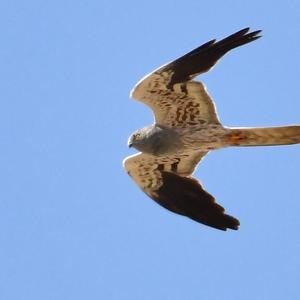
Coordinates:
186 128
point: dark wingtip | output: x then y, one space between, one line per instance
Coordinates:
239 38
232 223
242 31
254 35
203 58
185 196
219 220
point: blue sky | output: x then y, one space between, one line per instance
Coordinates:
73 224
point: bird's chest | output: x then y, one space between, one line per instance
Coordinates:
165 142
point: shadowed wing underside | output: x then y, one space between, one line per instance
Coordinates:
167 181
177 100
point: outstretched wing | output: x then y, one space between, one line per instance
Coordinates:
167 180
177 100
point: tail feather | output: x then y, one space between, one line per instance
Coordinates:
272 136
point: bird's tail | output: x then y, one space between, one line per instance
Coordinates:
271 136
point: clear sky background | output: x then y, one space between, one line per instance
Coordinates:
73 225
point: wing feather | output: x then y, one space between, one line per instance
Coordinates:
167 181
170 91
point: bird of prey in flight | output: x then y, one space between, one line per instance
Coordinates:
186 128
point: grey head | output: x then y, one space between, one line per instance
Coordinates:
155 139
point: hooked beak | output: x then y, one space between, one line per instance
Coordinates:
130 144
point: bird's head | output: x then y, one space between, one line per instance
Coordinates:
154 139
137 139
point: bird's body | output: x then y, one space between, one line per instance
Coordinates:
186 128
161 140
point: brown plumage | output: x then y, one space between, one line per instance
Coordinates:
186 128
271 136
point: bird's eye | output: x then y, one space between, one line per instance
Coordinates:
137 135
